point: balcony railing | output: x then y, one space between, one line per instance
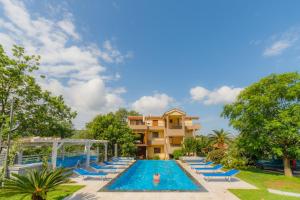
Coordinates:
175 132
175 126
138 127
193 126
156 141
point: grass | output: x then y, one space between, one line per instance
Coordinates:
264 180
60 193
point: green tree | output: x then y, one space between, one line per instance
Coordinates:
219 139
122 114
111 127
203 145
36 183
190 145
267 114
37 112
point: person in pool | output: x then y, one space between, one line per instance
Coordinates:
156 178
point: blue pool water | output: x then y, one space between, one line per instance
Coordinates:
139 177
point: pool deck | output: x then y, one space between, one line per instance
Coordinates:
217 189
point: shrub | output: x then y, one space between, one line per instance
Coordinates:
156 157
234 162
235 157
36 183
216 155
178 153
190 145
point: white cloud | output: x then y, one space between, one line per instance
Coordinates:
73 69
154 105
277 48
68 26
198 93
280 43
224 94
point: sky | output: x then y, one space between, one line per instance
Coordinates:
152 55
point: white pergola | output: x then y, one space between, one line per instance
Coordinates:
57 143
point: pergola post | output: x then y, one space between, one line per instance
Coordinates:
54 154
20 157
63 152
116 150
105 151
88 152
97 154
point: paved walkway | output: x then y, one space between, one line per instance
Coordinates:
216 190
291 194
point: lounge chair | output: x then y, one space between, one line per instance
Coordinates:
227 175
199 160
125 158
214 168
114 163
121 160
86 174
112 166
202 164
106 169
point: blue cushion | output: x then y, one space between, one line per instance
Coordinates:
88 173
231 172
216 167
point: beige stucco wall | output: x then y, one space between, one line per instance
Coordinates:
150 122
188 122
151 153
160 133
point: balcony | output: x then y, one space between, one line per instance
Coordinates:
193 127
156 141
138 126
175 126
154 128
175 132
140 143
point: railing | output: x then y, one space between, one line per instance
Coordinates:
139 142
175 132
140 127
193 126
156 141
34 158
175 126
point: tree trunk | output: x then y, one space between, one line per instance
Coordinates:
37 197
287 167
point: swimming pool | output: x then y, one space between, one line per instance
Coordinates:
139 177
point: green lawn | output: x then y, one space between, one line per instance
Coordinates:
60 193
263 180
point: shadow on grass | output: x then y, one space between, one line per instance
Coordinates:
86 196
261 171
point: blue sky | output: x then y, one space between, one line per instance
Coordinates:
154 55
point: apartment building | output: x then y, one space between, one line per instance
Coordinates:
161 135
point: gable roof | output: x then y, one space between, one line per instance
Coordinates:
174 110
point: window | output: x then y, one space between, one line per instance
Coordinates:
156 150
155 123
155 135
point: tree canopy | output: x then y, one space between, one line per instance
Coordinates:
113 127
37 111
267 114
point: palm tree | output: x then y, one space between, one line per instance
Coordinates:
220 139
203 145
36 183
